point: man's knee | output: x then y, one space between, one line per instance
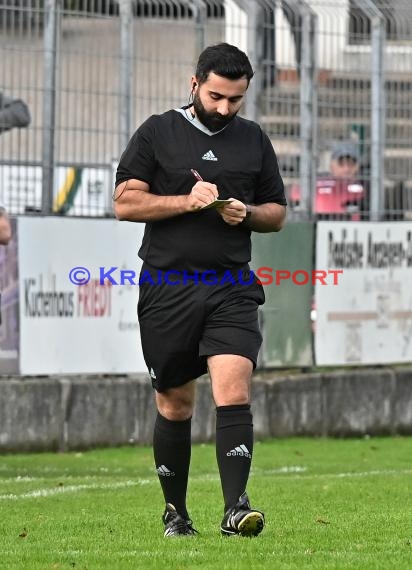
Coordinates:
176 404
232 398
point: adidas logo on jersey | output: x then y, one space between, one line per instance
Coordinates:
209 156
241 450
165 472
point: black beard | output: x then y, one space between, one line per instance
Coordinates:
212 121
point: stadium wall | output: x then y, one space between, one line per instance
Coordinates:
68 413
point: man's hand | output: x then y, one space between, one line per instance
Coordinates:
233 213
202 194
268 217
5 228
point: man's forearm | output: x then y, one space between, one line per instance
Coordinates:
139 206
268 217
134 203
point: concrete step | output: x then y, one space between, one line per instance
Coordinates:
358 106
397 131
339 82
340 93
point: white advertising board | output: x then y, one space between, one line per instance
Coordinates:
367 317
74 329
79 191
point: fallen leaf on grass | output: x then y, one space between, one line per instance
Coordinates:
24 533
322 521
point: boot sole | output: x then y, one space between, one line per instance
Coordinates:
251 525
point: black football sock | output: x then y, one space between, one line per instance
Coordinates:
234 447
172 450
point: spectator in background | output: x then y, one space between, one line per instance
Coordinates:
5 234
345 161
339 193
5 227
13 113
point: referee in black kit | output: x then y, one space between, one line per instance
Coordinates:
174 168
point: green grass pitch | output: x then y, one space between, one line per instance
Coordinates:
328 504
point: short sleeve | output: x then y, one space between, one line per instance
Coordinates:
270 186
137 161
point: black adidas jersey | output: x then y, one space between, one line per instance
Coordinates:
241 162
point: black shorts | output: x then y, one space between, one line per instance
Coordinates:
181 324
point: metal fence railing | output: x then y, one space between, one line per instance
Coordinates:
330 75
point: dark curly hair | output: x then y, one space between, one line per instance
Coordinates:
224 60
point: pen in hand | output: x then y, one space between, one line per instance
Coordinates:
200 179
196 175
